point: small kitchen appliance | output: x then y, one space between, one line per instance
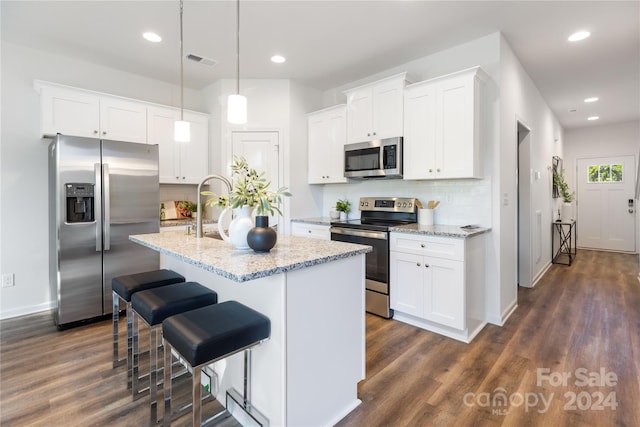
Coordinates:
381 158
377 216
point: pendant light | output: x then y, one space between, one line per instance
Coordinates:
181 130
236 103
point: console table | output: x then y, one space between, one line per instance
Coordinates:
568 241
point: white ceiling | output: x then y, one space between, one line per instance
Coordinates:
331 43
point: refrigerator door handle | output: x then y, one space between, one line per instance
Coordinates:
107 207
97 171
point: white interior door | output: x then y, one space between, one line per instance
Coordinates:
606 203
261 151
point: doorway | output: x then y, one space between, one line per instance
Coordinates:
606 203
523 176
261 149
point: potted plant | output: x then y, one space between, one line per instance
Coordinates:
250 192
344 207
568 197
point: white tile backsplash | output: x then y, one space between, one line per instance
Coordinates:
462 202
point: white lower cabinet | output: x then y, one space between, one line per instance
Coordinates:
437 283
315 231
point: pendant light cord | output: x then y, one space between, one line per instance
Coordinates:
181 67
238 47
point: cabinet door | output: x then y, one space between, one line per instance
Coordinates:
194 155
122 120
420 132
318 148
160 123
327 136
388 109
455 130
360 115
406 277
69 112
444 298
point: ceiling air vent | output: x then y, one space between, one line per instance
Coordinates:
201 60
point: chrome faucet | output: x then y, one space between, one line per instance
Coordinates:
226 181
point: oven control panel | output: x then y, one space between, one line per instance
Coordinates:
388 204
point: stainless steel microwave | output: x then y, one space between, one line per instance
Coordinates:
380 158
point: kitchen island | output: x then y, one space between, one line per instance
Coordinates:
307 373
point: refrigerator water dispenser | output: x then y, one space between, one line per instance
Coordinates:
79 202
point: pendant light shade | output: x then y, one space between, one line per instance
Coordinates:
182 129
236 103
237 109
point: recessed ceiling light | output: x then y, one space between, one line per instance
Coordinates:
278 59
593 118
572 110
592 99
152 37
580 35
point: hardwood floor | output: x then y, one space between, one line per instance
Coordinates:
583 317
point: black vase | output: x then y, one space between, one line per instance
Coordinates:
262 238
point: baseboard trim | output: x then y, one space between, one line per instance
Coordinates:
541 274
23 311
505 314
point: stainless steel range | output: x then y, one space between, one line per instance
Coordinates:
378 215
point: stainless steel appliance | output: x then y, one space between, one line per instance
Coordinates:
100 192
378 215
381 158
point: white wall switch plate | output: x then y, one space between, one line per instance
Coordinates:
7 280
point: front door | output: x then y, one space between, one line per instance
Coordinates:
606 204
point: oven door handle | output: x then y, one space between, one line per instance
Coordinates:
380 235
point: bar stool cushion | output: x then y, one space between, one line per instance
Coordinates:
155 305
211 332
126 285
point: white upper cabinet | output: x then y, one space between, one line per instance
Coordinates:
123 120
375 110
442 127
327 136
76 112
179 162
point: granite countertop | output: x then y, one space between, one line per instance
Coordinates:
440 230
219 257
325 220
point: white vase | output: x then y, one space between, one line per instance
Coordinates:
566 212
238 228
343 216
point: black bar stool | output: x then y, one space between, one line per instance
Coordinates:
153 306
206 335
122 288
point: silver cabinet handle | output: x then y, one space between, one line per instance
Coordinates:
630 210
107 207
430 170
418 264
422 245
95 132
426 266
104 132
438 170
98 202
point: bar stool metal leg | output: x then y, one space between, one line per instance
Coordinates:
166 417
115 318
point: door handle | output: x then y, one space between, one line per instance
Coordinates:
107 207
98 205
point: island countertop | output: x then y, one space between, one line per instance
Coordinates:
219 257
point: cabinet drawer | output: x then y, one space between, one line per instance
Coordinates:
315 231
435 246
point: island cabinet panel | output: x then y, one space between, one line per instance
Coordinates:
442 127
179 162
77 112
375 110
314 231
437 283
327 135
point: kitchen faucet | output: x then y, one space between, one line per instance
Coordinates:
226 181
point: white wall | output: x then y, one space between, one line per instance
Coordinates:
521 100
24 201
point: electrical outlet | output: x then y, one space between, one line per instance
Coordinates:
7 280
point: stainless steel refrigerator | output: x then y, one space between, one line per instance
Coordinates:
100 192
